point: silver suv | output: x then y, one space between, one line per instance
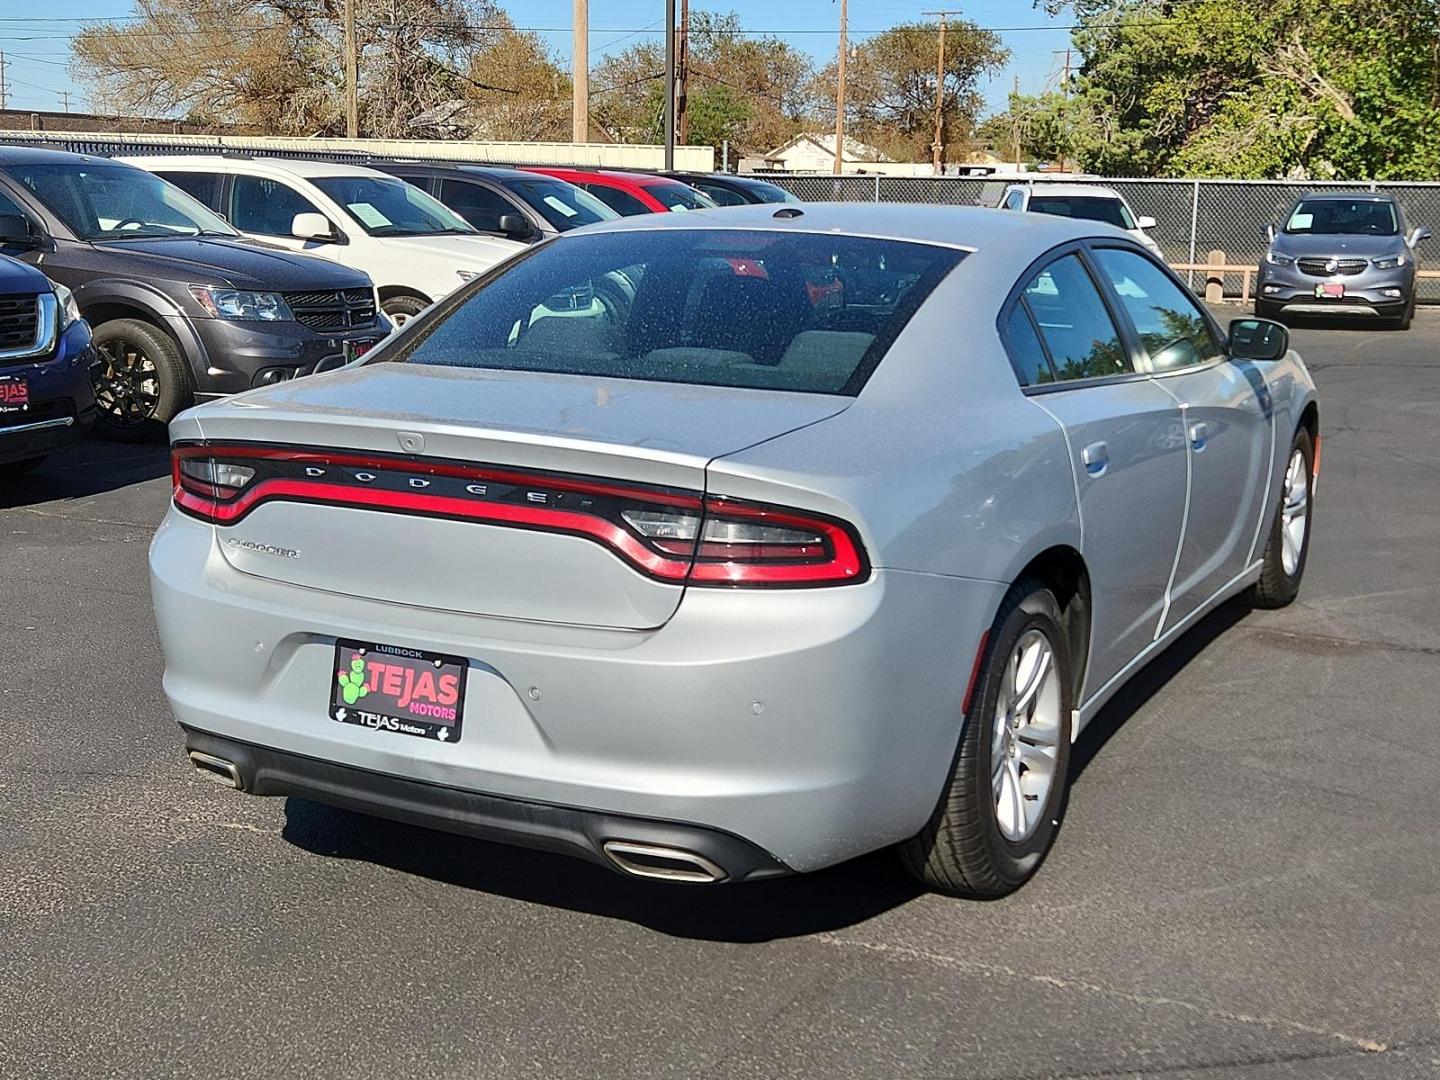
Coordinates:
1341 254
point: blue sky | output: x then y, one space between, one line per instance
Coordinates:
37 51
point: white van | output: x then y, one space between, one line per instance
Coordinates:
414 248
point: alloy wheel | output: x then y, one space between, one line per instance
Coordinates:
1295 514
1025 736
126 383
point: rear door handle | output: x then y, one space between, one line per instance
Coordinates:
1096 457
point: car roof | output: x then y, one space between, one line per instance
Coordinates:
292 166
34 155
967 227
494 172
1073 191
1347 196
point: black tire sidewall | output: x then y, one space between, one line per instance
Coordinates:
171 373
409 306
1038 610
1276 588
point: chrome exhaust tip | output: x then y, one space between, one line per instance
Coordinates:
217 769
662 863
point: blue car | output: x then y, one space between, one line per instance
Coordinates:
45 359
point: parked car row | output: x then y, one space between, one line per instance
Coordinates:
207 275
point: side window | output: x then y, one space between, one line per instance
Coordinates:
720 195
268 207
1015 200
1171 326
197 185
1074 323
621 202
477 204
1025 348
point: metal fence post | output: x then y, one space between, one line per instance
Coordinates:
1194 226
877 187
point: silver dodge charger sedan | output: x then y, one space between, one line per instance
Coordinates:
717 547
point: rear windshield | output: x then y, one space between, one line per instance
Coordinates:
1343 217
1086 207
563 205
762 310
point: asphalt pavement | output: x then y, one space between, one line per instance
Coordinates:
1247 883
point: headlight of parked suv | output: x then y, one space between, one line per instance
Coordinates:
1277 259
241 304
69 310
1390 262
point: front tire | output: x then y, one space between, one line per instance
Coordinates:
401 309
1289 545
141 380
1002 805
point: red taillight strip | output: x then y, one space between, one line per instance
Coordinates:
847 563
438 468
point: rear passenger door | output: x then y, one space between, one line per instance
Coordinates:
1126 445
1227 416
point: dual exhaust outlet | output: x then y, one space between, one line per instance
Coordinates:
659 862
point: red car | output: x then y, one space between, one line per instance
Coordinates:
629 193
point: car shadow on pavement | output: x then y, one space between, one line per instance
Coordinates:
761 911
768 910
90 467
1151 679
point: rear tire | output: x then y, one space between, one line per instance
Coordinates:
1002 805
141 380
1289 545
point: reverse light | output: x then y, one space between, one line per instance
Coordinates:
670 535
241 305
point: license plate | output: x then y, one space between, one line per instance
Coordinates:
356 349
1333 290
14 393
405 691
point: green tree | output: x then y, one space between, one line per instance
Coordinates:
1251 88
890 87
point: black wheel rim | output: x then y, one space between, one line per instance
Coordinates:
127 384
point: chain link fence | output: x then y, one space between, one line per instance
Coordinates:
1192 217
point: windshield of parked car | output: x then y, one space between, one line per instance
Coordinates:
1101 208
770 193
763 310
117 202
1343 217
678 196
388 207
563 205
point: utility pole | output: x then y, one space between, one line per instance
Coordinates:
352 74
65 99
682 121
840 91
937 148
4 86
669 85
580 73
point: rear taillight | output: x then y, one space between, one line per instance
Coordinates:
668 534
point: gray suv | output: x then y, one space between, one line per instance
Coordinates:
183 307
1341 254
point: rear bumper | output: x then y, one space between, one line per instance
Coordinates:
815 725
565 830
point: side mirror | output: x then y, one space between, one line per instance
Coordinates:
1145 221
312 226
1269 234
15 231
1258 339
515 226
1420 232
